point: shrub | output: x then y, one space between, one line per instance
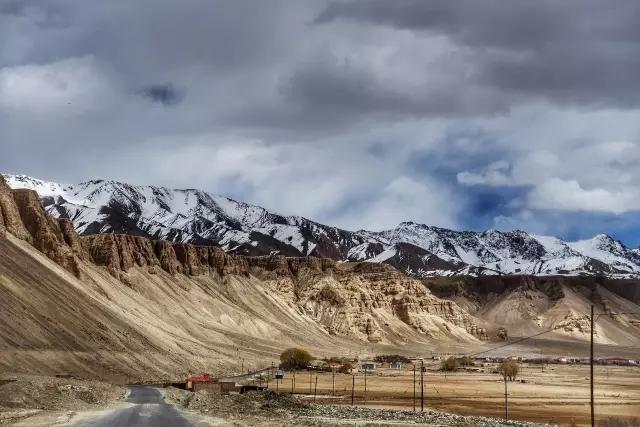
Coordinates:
465 361
450 365
509 369
345 368
391 358
295 358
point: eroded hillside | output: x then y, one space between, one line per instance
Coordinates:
116 305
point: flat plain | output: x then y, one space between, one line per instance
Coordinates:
555 394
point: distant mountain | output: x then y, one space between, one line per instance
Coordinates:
198 217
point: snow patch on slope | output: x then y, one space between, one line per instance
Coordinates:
189 215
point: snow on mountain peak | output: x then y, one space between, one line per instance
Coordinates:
195 216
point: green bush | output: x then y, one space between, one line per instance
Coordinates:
295 358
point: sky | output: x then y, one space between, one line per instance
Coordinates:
360 114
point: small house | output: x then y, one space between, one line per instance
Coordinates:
209 384
368 366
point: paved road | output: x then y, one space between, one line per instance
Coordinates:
147 410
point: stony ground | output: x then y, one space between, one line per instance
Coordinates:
24 396
273 409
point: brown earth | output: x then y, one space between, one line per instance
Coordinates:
127 308
555 394
37 400
526 305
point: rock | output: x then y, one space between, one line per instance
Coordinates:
72 239
345 298
167 257
276 264
46 235
190 259
10 220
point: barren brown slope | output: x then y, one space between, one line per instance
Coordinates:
527 305
122 306
158 325
116 306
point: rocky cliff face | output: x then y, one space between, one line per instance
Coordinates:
364 300
9 215
526 304
200 218
119 253
23 216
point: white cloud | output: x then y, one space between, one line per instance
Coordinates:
347 123
67 87
563 159
495 174
404 199
556 193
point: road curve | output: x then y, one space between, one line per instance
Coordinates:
147 410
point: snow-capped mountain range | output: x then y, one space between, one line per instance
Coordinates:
420 250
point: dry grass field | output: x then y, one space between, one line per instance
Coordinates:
557 394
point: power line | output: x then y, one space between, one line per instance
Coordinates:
515 342
544 332
617 314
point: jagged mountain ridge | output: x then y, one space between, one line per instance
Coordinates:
129 305
193 216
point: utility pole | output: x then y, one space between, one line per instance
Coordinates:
593 418
315 390
414 387
422 385
506 401
353 386
333 381
365 386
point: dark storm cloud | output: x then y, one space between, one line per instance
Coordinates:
165 94
457 113
573 51
344 89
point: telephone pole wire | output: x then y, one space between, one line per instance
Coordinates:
593 419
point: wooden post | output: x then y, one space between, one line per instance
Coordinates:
365 386
310 376
333 381
422 385
353 386
593 417
315 389
506 400
414 387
